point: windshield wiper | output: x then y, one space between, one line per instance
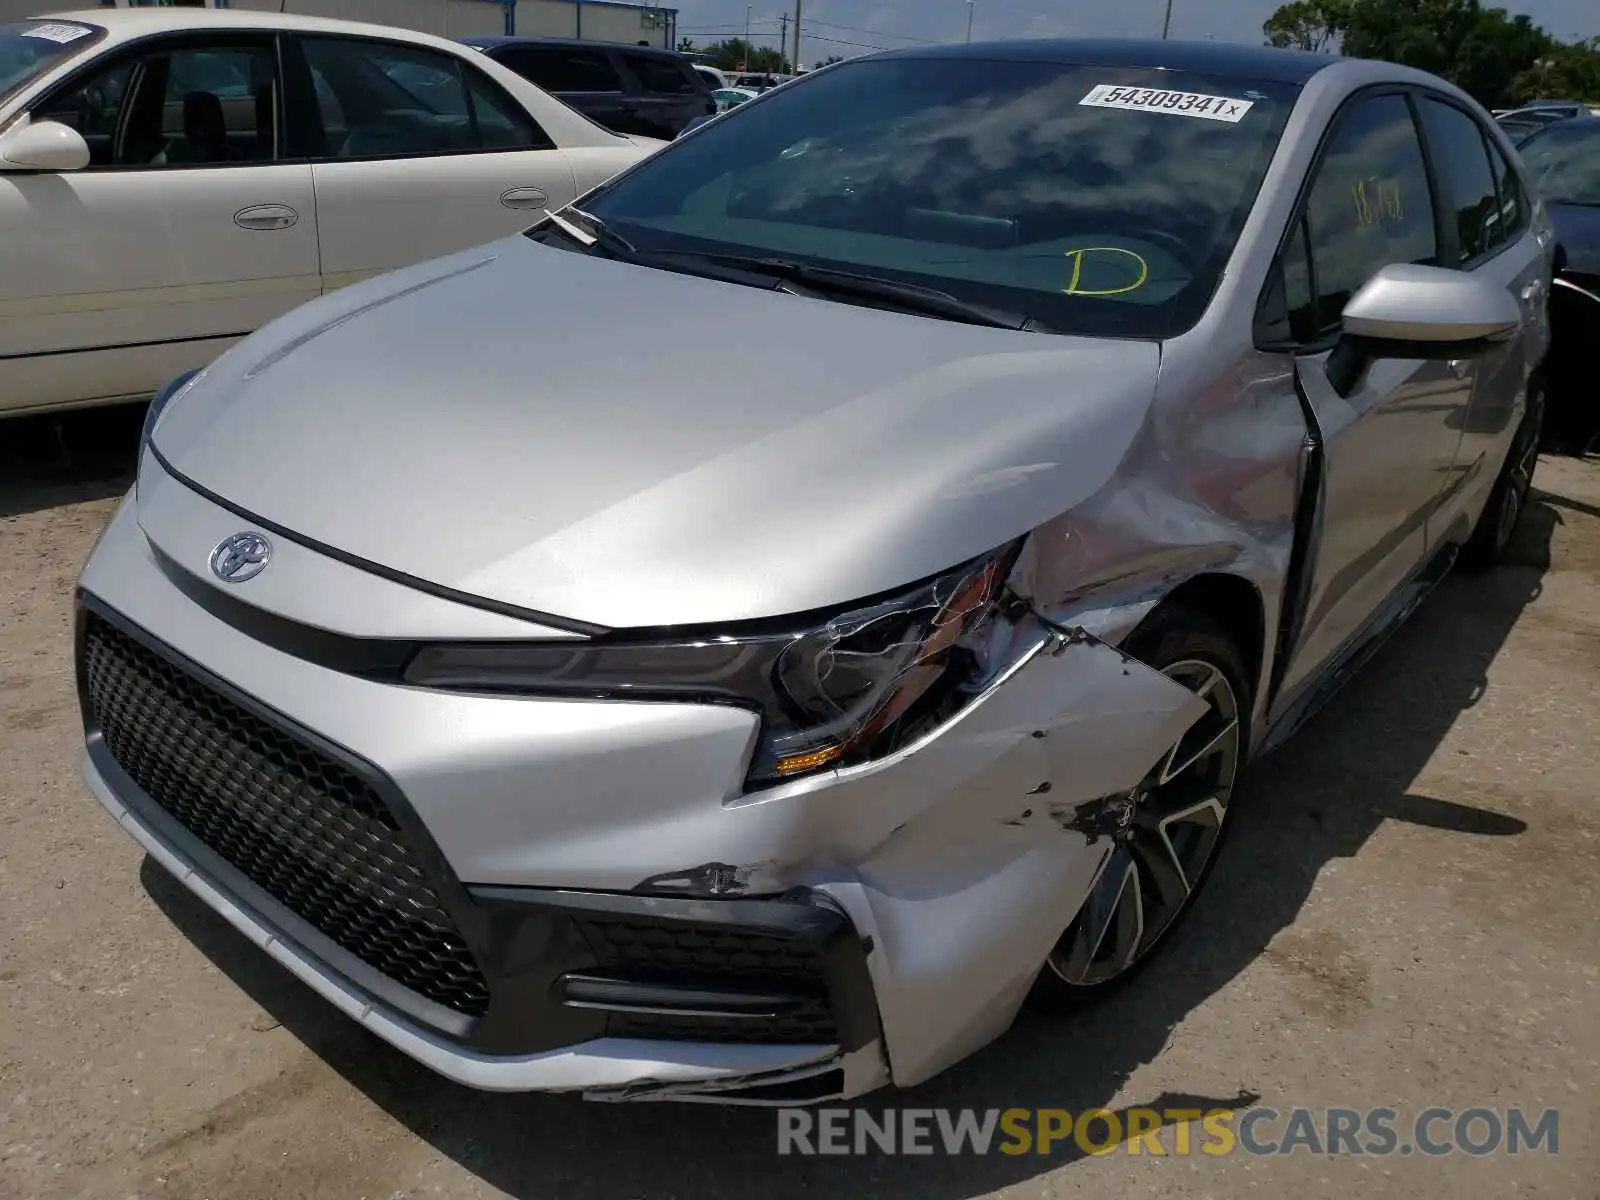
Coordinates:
598 234
909 297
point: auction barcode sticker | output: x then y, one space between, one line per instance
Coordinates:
1181 104
58 31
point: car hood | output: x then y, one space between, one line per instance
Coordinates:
625 447
1578 233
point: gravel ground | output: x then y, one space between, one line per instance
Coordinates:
1405 917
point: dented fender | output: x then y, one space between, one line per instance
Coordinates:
966 896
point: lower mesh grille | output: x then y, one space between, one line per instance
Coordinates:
300 825
642 950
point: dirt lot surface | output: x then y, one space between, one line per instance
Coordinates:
1406 917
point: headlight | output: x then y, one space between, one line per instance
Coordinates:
174 388
831 691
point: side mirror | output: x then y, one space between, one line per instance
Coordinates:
1427 313
43 146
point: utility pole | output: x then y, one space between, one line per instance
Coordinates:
795 64
969 20
1167 24
783 37
747 9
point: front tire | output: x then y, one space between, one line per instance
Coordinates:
1166 834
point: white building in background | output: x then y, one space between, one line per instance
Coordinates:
591 20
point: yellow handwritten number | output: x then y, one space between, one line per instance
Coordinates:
1363 205
1389 199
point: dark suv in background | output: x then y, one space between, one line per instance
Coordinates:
628 89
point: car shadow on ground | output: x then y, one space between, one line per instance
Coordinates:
67 458
1316 800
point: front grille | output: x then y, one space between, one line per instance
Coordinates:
643 950
300 825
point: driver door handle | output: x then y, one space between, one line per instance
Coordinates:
266 216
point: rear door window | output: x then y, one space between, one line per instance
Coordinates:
382 100
663 76
1513 200
1461 159
561 70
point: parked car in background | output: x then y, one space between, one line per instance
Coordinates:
1564 159
759 81
577 716
715 78
628 89
1571 108
727 98
1520 122
173 178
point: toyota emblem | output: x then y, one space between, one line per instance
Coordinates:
241 557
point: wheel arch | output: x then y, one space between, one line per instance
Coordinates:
1236 604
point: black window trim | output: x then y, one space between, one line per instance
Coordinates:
170 41
1297 216
1490 149
298 66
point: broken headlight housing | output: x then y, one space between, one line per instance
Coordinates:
832 691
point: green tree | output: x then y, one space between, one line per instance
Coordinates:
1566 71
1312 25
732 54
1497 58
686 45
830 60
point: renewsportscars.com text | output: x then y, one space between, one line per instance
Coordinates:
1259 1130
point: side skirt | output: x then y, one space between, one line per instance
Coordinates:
1319 690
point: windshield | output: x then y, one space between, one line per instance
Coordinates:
1098 200
1565 161
29 48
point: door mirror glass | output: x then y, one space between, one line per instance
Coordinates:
1407 311
43 146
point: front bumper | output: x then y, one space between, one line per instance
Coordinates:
911 901
604 1068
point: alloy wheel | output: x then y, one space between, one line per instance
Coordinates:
1163 835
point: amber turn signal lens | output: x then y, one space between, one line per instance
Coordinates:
797 763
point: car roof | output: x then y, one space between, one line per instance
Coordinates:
125 23
1265 63
507 39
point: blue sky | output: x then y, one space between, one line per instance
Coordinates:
875 23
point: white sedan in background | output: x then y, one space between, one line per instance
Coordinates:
727 98
173 178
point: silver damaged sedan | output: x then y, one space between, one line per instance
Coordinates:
746 636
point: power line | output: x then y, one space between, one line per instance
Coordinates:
817 37
899 37
715 28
